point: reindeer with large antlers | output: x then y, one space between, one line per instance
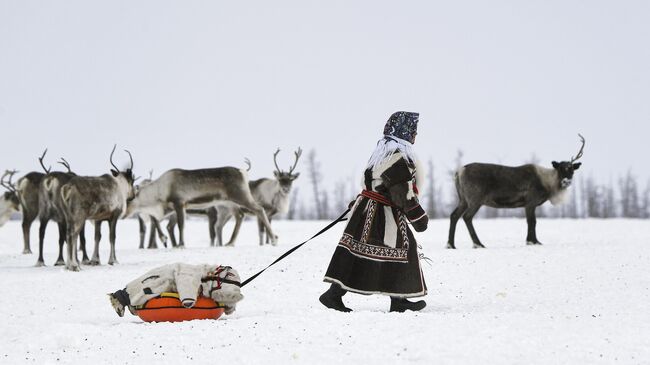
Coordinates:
9 203
497 186
51 208
271 194
100 198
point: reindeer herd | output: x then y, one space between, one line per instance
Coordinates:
224 193
71 200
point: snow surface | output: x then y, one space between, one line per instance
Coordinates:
583 297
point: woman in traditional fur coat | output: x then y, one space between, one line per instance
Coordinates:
378 253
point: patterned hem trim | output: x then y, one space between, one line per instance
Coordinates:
373 252
364 292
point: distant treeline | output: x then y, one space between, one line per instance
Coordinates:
625 197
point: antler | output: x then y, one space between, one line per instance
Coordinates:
66 164
298 154
275 156
111 158
248 162
131 158
8 184
582 148
40 159
113 164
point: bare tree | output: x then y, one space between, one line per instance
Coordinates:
646 202
325 206
609 201
432 203
629 196
293 205
341 196
593 199
458 163
315 177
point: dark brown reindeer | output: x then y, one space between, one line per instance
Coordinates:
27 192
497 186
51 208
100 198
9 203
177 190
271 194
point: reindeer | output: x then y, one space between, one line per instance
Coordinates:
100 198
50 208
9 203
177 190
271 194
154 224
211 214
27 191
497 186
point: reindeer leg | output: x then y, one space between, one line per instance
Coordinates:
63 229
260 230
161 235
268 237
143 231
455 216
180 217
222 219
467 217
112 235
212 221
82 242
152 235
239 218
98 237
73 263
41 237
218 233
251 204
27 225
531 219
70 247
170 229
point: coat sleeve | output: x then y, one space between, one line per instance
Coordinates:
400 183
188 284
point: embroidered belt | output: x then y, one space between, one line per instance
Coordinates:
372 195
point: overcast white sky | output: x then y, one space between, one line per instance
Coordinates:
205 83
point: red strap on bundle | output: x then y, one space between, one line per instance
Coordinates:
376 197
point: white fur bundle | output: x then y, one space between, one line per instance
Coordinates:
385 149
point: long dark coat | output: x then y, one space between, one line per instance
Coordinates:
377 253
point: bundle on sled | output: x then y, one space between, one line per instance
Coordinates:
180 292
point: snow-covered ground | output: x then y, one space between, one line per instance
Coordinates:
583 297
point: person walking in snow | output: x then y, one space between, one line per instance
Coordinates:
221 283
377 253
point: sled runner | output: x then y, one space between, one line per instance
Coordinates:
168 308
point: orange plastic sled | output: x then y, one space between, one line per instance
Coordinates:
168 308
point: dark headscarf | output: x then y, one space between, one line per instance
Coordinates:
403 125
